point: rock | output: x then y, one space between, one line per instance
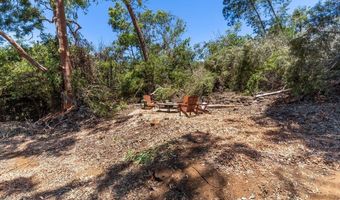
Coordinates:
154 122
252 196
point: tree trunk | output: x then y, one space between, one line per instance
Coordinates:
274 13
22 52
258 16
138 30
67 95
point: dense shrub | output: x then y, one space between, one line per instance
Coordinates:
200 83
99 99
316 51
249 65
24 92
165 93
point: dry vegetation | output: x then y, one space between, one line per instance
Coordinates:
258 149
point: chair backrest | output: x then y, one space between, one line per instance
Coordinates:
147 99
185 100
191 102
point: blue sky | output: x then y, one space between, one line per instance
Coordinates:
203 18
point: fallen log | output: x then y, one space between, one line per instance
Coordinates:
272 93
220 106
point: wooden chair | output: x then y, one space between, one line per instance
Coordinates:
189 105
148 102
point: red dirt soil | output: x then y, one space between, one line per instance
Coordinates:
258 149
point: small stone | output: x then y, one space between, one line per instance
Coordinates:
252 196
154 122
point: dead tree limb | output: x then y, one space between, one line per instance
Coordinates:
272 93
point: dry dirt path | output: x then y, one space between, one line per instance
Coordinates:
260 150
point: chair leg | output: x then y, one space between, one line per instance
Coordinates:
186 114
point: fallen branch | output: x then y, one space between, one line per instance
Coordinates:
272 93
220 106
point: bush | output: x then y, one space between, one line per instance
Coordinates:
26 94
163 94
250 65
201 83
99 99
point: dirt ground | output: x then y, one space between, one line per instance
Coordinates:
254 149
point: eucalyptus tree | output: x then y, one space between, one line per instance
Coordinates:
162 34
118 20
21 17
259 14
161 31
236 10
277 10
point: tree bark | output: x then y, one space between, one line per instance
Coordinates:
65 61
22 52
138 30
258 16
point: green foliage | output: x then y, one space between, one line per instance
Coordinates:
166 93
170 57
249 65
99 99
316 51
262 15
200 83
142 158
24 92
300 51
19 16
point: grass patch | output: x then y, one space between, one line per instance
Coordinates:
141 158
146 157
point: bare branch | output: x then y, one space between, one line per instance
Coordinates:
76 23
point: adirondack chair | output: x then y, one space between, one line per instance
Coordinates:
148 102
189 105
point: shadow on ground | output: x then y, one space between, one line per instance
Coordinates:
51 136
18 185
316 125
174 172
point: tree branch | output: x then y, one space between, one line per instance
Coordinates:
76 23
22 52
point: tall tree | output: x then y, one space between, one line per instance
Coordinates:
119 22
277 10
261 15
66 67
64 16
272 10
236 10
137 29
19 17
